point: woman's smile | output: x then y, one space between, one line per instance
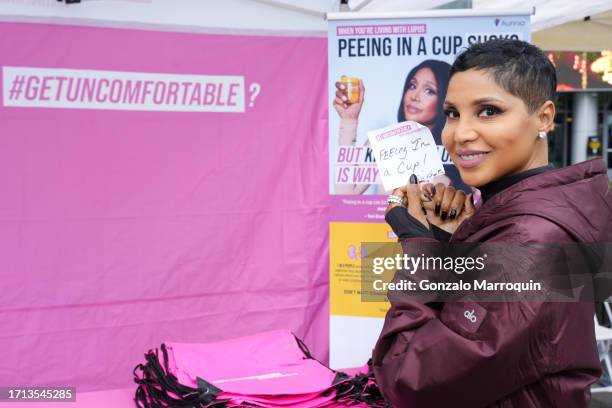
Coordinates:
471 158
412 109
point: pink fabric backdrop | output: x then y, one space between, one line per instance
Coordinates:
121 229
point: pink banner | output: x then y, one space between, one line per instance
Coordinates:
156 186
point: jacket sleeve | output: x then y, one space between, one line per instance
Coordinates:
464 354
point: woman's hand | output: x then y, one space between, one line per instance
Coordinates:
440 205
446 207
442 178
342 104
414 207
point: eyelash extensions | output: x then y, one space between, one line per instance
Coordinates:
496 111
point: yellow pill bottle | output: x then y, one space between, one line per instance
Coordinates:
352 88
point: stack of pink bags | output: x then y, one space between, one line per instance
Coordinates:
272 370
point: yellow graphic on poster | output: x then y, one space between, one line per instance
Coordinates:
348 249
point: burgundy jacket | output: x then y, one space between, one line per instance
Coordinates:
523 354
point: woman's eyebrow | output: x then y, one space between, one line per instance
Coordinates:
478 101
486 100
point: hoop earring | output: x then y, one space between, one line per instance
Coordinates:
542 134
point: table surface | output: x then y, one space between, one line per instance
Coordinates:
117 398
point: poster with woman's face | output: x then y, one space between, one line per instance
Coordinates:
387 71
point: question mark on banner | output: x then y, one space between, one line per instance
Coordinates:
254 91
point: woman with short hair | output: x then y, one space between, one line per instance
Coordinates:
499 107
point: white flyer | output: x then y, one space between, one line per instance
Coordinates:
404 149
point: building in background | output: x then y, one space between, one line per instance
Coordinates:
584 110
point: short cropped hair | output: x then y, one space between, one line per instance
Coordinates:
520 68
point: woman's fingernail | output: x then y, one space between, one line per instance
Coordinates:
428 197
413 179
344 98
342 86
444 215
437 209
452 214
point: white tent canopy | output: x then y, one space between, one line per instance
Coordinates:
557 24
560 25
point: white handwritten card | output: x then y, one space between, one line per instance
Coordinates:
402 150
